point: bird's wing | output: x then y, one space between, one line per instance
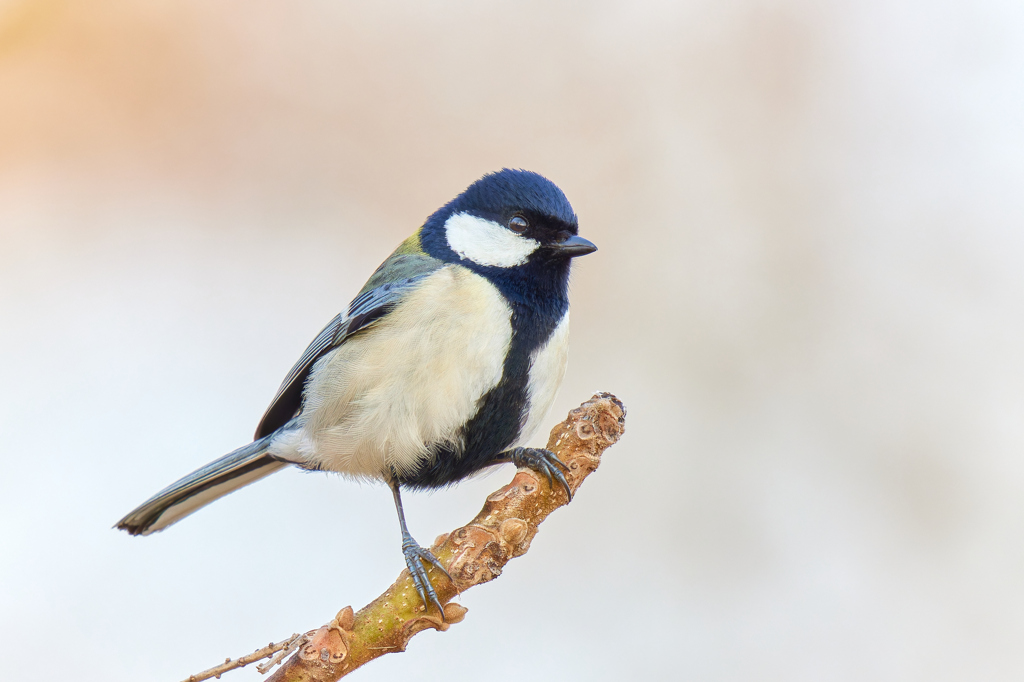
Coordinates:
394 279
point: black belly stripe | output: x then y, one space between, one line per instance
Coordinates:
502 411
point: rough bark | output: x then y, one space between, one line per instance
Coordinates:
473 554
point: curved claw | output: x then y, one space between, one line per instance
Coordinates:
564 483
557 462
544 462
416 560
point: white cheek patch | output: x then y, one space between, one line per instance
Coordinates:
485 242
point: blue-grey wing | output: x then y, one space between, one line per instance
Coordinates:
368 307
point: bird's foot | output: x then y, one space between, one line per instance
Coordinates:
417 559
543 462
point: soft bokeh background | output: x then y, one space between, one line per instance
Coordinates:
809 293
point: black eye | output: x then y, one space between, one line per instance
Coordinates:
518 224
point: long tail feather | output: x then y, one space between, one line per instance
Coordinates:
216 479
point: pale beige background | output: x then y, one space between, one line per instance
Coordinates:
809 293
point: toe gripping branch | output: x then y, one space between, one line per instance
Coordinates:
543 462
473 554
416 559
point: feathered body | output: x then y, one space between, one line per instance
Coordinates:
449 357
463 367
432 412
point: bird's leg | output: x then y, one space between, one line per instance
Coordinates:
417 558
539 460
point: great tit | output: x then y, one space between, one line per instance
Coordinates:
444 364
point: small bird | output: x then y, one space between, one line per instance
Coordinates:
444 364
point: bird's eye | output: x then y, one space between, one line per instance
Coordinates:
518 224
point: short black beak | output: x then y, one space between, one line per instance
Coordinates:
574 246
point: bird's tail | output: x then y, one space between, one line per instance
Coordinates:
227 474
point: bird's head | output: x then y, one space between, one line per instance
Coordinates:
505 221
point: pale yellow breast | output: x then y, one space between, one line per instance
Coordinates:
409 381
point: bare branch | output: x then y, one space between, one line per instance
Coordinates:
282 649
473 554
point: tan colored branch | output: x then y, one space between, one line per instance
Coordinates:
281 649
473 554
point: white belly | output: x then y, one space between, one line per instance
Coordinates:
381 399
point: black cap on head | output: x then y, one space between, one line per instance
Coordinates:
509 190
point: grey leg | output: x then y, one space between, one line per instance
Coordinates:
417 558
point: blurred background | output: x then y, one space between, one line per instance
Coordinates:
809 294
